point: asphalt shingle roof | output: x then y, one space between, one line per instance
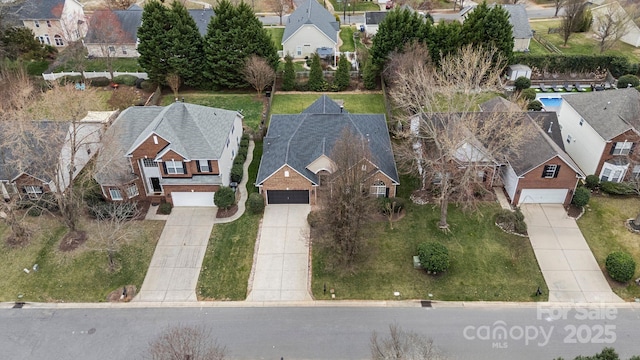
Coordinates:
297 140
519 21
312 13
610 113
40 9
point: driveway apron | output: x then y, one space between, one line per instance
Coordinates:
566 261
175 267
281 268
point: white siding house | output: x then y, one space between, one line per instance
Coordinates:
615 11
309 28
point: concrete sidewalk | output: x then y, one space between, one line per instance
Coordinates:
281 267
566 261
175 267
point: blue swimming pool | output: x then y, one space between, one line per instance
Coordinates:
551 102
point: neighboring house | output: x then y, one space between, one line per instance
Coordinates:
54 22
541 172
181 153
129 21
309 28
600 132
519 21
296 160
372 20
614 10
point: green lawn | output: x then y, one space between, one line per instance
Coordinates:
229 257
535 48
486 263
603 227
251 106
78 276
99 64
276 35
354 103
582 43
346 35
339 6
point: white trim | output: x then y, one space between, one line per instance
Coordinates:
317 28
280 168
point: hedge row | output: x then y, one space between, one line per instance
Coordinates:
617 65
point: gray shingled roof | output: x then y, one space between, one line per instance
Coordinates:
374 17
519 21
297 140
312 13
500 104
610 113
548 122
202 18
40 9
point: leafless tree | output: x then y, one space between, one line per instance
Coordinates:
279 7
403 345
558 5
186 342
449 144
573 12
258 73
346 208
174 81
114 227
610 26
107 33
118 4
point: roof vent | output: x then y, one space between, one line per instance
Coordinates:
550 125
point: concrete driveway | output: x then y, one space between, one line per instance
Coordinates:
567 263
175 266
281 267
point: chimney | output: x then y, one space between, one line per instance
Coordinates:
341 108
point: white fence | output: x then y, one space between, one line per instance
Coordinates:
93 74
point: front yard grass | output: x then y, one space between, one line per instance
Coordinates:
486 263
78 276
603 226
353 103
250 105
229 257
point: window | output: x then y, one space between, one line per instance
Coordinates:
203 166
299 51
48 23
132 191
58 40
621 148
550 171
36 23
41 39
33 190
581 121
286 173
174 167
636 172
112 49
149 163
115 194
227 142
46 39
569 138
155 139
364 167
124 50
378 189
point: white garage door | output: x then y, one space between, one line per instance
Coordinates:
192 198
543 196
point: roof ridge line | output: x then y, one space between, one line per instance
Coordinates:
286 157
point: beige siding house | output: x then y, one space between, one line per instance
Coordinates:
309 28
54 22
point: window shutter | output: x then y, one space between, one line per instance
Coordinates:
613 148
184 168
209 163
555 175
198 165
633 147
164 167
544 171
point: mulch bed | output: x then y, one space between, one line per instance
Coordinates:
16 242
573 210
72 241
143 208
222 213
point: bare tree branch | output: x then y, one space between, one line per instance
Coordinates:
403 345
258 73
186 342
611 24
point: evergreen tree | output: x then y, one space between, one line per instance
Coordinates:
316 77
234 34
399 27
369 75
444 39
289 78
489 28
154 42
186 58
343 76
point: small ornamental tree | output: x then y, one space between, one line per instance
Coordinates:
343 76
620 266
316 78
522 83
592 182
434 257
255 203
628 81
224 198
535 105
581 197
528 94
289 77
369 75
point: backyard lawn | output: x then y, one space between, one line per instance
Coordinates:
603 227
229 257
353 103
77 276
99 64
276 35
250 105
486 263
535 48
346 35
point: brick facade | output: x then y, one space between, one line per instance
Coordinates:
28 180
566 179
628 136
295 181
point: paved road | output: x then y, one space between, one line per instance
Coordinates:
313 332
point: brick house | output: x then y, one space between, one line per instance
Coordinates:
181 154
297 148
54 22
600 132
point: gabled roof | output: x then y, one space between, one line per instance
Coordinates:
202 17
609 113
500 104
519 21
41 10
298 140
374 17
312 13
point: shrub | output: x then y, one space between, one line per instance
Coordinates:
99 81
165 208
70 79
581 197
225 197
148 86
562 63
314 218
612 188
434 257
620 266
239 159
128 80
236 173
123 98
34 211
626 80
512 221
105 210
243 151
289 76
244 143
255 203
316 80
384 202
36 68
534 105
369 75
522 83
592 182
528 94
342 77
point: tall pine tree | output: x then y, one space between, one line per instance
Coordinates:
489 28
289 77
343 75
186 58
154 41
444 39
399 27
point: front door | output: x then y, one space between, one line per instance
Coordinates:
155 184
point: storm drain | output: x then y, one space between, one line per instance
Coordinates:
425 303
18 305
